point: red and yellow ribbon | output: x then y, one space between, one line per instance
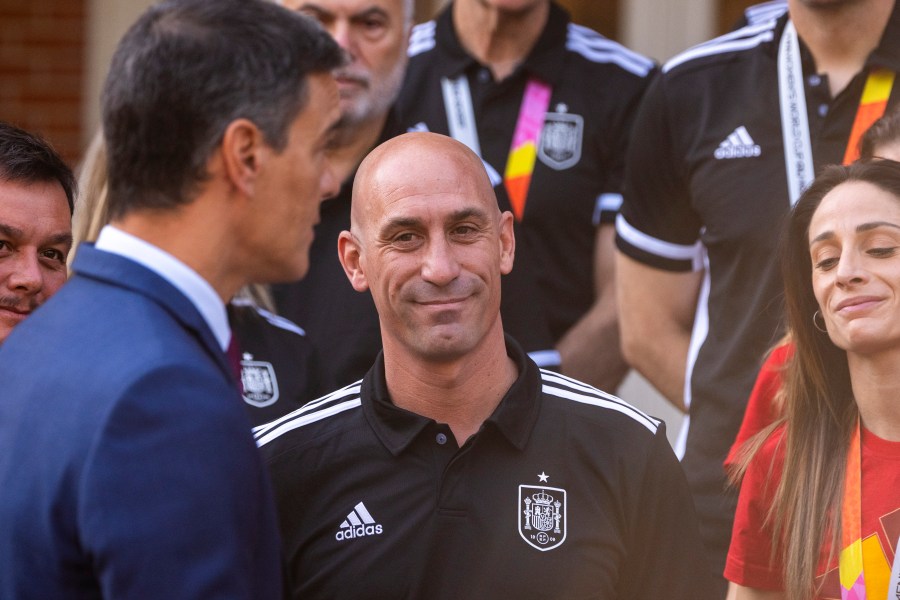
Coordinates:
872 105
523 152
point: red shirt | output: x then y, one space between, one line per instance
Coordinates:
749 561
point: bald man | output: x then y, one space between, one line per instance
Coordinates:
443 472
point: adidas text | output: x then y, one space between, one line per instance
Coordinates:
737 152
355 532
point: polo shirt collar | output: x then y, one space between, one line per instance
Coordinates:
514 417
543 61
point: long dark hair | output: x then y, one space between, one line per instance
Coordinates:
820 410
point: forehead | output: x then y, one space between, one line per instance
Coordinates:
889 150
42 203
429 195
347 7
854 203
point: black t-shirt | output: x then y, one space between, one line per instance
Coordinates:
278 364
564 492
576 184
706 188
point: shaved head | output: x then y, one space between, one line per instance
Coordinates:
414 162
429 242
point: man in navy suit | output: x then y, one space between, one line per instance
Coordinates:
127 467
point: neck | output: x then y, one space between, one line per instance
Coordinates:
876 388
498 39
841 37
462 393
352 143
198 235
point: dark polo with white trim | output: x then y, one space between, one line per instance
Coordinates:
576 184
706 187
564 492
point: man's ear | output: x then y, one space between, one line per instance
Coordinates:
507 243
244 149
350 255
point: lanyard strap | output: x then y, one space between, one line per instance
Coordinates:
526 136
523 151
798 161
798 158
850 566
872 105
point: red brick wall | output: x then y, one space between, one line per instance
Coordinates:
42 44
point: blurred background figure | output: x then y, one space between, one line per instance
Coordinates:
548 105
342 324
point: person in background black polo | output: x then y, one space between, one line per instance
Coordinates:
548 104
457 468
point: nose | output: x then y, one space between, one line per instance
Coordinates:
440 265
342 33
329 186
25 273
849 270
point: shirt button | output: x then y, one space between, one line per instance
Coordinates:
823 110
441 439
814 80
484 75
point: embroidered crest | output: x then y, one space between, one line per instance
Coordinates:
542 516
560 144
259 382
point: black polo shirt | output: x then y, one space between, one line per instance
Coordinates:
564 492
706 188
278 364
577 178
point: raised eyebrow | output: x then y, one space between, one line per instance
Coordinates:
57 239
399 223
373 11
315 8
467 213
875 225
10 231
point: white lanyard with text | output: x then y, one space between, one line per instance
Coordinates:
798 159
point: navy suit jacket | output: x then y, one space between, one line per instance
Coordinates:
127 467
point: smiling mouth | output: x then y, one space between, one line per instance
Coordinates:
853 305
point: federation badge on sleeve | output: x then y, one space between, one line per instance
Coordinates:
542 516
560 143
259 382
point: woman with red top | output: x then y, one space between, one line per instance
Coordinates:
819 511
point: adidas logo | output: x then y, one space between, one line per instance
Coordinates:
359 523
738 145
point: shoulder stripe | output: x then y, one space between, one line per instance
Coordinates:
571 389
596 48
641 240
312 405
273 319
306 420
744 38
422 38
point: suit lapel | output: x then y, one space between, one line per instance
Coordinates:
122 272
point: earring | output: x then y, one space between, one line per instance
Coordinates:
816 323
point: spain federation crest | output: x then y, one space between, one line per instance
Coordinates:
259 382
542 516
560 143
